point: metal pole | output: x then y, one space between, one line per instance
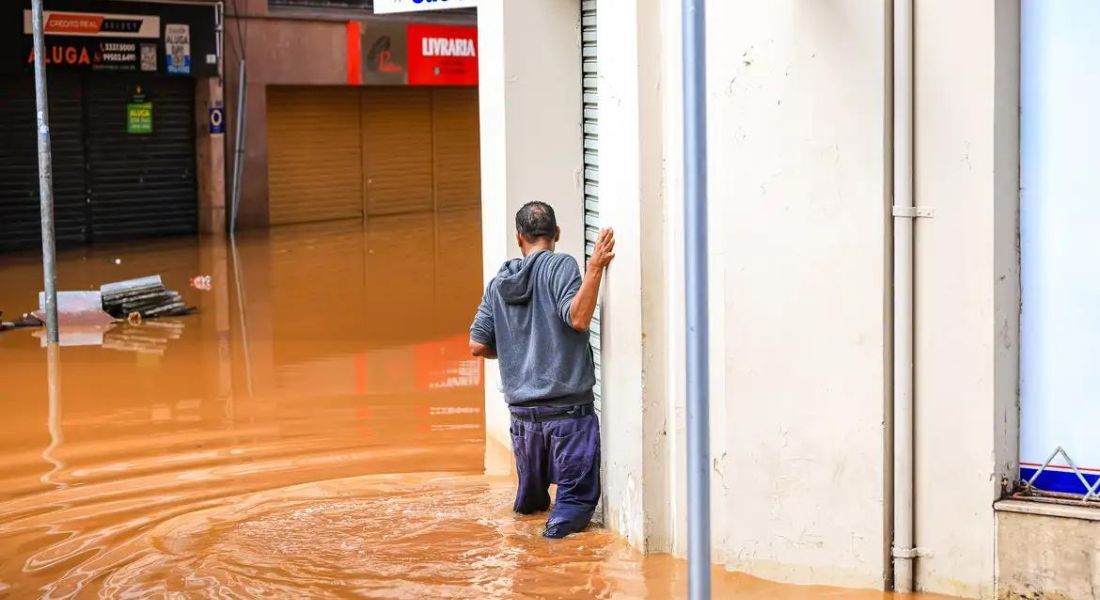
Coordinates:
695 258
903 550
238 160
45 175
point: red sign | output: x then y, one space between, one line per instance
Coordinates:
442 55
62 23
355 53
121 55
96 24
64 55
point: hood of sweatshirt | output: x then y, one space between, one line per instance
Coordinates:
514 281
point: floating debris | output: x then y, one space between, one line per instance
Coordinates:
81 308
27 320
146 296
133 300
202 282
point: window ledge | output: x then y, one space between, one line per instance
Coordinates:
1048 509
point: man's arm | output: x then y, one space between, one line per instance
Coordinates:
482 350
584 303
482 330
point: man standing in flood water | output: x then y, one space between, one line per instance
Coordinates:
534 318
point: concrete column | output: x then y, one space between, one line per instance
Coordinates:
621 164
210 157
967 293
530 95
634 322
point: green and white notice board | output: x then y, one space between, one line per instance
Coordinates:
139 117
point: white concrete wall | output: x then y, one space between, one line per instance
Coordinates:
800 165
621 170
530 95
799 216
798 148
967 285
635 328
670 535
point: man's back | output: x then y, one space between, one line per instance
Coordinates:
534 318
525 316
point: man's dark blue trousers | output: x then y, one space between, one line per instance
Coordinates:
557 444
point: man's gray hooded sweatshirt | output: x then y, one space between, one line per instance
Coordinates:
524 316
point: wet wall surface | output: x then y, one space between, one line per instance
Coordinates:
315 430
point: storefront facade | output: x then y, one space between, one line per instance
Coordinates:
351 115
130 117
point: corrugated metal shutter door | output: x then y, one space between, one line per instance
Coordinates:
590 69
456 148
141 184
397 149
19 218
314 154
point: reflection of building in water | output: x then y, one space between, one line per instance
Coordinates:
151 337
75 335
442 364
446 363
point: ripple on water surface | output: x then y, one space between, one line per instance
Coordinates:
379 536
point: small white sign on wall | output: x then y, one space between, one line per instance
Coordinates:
400 6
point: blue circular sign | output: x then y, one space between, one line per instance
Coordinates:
217 121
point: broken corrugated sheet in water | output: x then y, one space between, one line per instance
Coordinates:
146 296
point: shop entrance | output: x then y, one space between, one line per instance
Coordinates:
349 153
123 158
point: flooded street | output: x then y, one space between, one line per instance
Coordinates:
314 430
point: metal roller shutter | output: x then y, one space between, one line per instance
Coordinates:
315 164
140 184
455 148
591 100
397 150
19 217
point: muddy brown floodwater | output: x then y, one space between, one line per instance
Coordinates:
315 430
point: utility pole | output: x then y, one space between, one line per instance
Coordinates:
238 158
45 175
695 270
